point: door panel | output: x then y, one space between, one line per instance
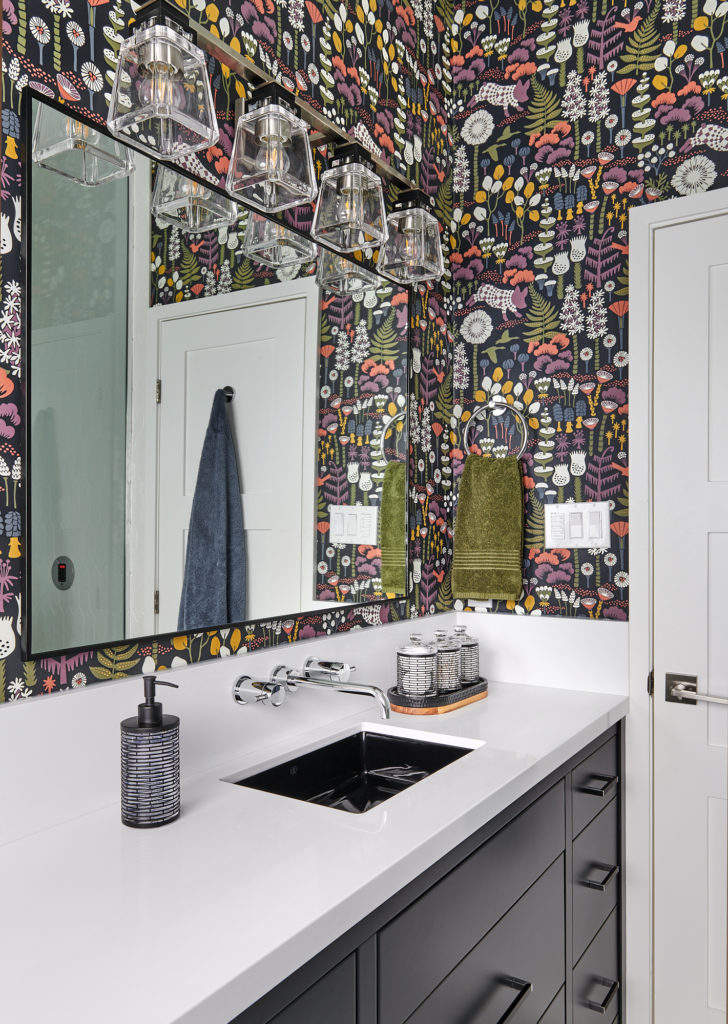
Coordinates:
690 523
263 360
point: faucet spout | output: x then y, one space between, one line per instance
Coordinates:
293 679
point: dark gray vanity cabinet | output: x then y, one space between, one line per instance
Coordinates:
519 925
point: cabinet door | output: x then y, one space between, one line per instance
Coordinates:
596 878
428 939
596 976
517 969
593 783
332 998
556 1013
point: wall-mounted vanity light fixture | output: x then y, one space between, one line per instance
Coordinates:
271 166
350 212
182 203
343 277
161 99
274 245
76 151
412 251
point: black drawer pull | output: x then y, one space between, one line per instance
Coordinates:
607 782
524 987
610 871
602 1007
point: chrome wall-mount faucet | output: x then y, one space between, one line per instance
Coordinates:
315 672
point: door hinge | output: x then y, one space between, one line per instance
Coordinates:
156 602
159 392
651 682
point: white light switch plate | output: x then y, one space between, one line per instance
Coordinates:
354 524
577 525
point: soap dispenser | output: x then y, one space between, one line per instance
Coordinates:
150 763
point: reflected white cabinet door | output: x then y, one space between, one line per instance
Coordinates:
690 568
259 349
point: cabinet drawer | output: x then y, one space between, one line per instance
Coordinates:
423 944
556 1013
526 946
595 976
331 998
593 783
596 856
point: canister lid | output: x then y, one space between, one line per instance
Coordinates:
445 642
417 647
463 637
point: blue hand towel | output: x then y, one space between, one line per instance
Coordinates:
214 587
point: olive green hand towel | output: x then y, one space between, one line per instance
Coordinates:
393 528
488 544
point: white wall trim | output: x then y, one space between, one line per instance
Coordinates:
644 225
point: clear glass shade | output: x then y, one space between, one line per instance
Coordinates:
271 166
412 251
274 245
179 202
350 209
161 100
341 276
76 151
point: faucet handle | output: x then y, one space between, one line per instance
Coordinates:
253 691
331 671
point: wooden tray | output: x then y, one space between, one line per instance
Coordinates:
441 703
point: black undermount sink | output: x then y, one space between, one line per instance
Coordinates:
357 772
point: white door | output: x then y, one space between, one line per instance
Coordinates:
258 348
690 523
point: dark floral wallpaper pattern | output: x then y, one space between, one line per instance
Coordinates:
381 71
565 116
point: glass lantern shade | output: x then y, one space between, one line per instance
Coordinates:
76 151
350 209
342 277
179 202
274 245
161 99
412 251
271 167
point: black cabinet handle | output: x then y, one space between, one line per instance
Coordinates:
602 1007
524 987
610 870
607 782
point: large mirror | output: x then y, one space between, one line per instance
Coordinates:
213 438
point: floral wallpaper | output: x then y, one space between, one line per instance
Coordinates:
382 72
565 117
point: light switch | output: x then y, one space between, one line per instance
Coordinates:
577 525
353 524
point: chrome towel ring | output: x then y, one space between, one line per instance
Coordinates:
386 425
497 406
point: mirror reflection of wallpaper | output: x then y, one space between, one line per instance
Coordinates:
362 383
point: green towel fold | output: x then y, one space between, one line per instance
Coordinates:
488 544
393 528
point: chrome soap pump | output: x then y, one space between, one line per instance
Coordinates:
150 763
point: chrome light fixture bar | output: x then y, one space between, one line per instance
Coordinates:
161 99
274 245
343 277
76 151
350 212
412 252
271 166
181 202
322 130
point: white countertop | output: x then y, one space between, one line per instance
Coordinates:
195 921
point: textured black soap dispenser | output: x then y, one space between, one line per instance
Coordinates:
150 763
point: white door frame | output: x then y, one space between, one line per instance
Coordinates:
644 223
